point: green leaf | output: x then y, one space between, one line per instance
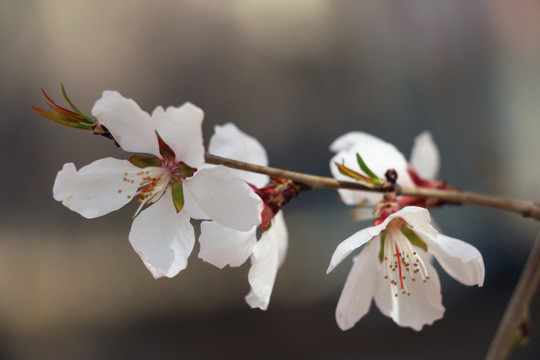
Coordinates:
413 238
351 173
365 168
80 113
186 170
178 196
143 162
383 239
61 119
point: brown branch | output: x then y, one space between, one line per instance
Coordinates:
515 325
524 208
313 181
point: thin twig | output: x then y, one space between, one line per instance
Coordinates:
524 208
313 181
515 325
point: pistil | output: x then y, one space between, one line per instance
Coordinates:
400 258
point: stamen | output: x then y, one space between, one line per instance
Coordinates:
400 254
149 185
399 265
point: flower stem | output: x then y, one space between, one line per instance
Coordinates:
514 327
524 208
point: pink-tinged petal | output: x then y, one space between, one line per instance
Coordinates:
96 189
230 142
225 198
354 242
355 299
130 126
191 206
460 260
425 158
422 307
221 246
263 271
162 237
280 233
181 129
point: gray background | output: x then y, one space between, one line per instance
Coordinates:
296 75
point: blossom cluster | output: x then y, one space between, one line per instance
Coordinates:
240 212
394 267
175 185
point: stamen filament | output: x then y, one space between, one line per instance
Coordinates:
150 183
402 259
399 266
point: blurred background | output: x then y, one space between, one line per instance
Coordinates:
296 75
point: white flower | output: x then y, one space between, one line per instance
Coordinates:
222 246
394 269
176 182
381 156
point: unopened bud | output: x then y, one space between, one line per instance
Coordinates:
391 176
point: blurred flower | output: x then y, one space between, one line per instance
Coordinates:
221 246
394 268
380 156
175 181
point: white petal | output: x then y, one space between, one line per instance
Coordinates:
418 219
422 307
97 188
181 129
191 206
263 271
162 237
460 260
354 242
225 198
130 126
425 158
378 155
280 233
359 288
221 246
351 139
230 142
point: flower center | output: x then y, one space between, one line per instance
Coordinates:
172 168
402 265
150 182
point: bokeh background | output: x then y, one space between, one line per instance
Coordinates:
296 75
